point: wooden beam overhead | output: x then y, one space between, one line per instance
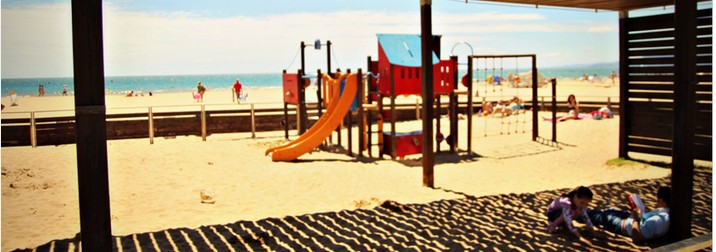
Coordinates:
612 5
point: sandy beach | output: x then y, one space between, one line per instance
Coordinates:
157 186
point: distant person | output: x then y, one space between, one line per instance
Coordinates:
568 207
130 94
41 90
237 90
200 89
635 224
13 97
64 90
573 107
150 93
613 76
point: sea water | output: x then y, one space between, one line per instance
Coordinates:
188 83
144 84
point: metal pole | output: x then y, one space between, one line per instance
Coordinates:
151 126
426 36
203 123
253 121
33 130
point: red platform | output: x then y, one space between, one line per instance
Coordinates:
406 143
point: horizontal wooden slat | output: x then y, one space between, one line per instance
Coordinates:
661 143
657 78
702 59
704 31
651 95
706 78
655 87
653 43
651 35
654 52
659 70
655 151
704 50
704 41
651 61
650 22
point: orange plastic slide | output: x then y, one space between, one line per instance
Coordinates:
323 128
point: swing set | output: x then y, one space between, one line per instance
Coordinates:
486 68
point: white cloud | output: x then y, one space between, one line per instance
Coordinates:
36 40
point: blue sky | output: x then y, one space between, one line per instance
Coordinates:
155 37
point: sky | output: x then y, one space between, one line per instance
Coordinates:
167 37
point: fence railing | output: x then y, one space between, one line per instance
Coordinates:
53 127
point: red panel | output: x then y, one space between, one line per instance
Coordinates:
443 77
406 143
290 88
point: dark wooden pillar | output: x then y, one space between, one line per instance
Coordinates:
554 110
682 170
624 125
426 37
90 125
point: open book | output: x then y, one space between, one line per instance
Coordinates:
635 201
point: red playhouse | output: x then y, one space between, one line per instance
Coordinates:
398 72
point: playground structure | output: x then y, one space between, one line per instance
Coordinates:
399 69
492 79
397 72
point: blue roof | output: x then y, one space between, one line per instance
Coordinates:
403 49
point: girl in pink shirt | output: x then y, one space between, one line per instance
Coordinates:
568 207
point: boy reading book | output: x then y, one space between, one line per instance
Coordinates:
637 223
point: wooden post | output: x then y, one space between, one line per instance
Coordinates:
535 86
438 119
469 105
285 119
554 110
609 102
319 98
426 37
682 152
392 112
90 126
302 111
624 124
203 123
417 109
33 130
253 122
151 126
361 114
454 108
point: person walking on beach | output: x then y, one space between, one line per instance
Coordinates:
200 89
568 207
635 224
237 90
41 90
64 90
613 76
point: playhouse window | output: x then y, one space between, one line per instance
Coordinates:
402 73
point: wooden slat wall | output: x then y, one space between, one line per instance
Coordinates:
650 80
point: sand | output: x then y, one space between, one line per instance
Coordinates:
158 186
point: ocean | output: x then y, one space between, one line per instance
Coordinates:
187 83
